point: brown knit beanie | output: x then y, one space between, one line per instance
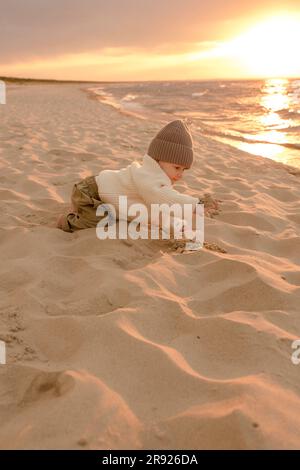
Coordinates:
173 144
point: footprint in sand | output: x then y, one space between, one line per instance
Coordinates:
46 385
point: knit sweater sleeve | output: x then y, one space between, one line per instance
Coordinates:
167 194
157 189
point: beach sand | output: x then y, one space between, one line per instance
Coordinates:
123 344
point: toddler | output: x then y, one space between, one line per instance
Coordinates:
169 154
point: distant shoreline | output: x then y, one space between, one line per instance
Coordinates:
43 80
50 81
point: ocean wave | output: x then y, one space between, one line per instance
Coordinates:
200 93
126 105
129 97
242 138
291 129
289 113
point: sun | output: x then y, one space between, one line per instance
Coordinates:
269 48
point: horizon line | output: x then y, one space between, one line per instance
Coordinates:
3 78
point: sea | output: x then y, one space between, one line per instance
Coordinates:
261 117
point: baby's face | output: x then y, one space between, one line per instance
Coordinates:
172 170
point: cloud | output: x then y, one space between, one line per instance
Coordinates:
40 29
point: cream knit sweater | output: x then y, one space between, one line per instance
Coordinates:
144 184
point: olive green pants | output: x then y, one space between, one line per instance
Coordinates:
85 200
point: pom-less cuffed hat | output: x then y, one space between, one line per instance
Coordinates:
173 144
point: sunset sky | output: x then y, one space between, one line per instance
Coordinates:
149 39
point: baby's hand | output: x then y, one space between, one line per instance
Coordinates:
209 211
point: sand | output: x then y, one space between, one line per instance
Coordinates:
131 344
